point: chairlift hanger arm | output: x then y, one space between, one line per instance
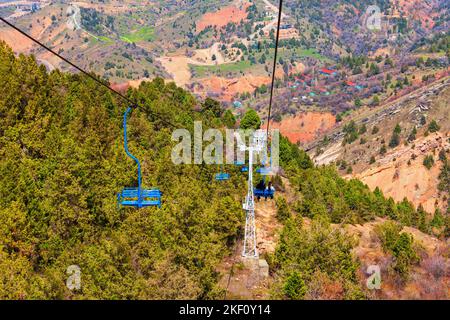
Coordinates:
136 197
125 144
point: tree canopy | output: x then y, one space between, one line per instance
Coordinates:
62 164
250 120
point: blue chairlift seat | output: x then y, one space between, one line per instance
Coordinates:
264 193
244 168
264 171
222 176
133 197
137 197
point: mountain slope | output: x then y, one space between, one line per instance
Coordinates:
62 163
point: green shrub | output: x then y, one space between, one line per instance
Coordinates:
405 254
301 253
250 120
395 140
388 233
294 287
400 245
428 162
433 126
229 120
283 211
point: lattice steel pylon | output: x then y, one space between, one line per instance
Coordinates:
256 145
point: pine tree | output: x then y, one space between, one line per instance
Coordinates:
229 120
250 120
433 126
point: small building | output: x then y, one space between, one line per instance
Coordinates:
33 7
285 27
328 72
237 104
354 85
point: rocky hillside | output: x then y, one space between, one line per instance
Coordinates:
338 26
386 146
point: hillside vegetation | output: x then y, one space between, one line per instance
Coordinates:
62 163
316 260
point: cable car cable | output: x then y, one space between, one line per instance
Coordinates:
277 40
132 103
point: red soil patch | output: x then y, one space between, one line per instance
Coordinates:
121 87
279 72
223 16
15 40
305 127
297 68
226 89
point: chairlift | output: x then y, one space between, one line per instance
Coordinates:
222 176
267 193
132 196
244 167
